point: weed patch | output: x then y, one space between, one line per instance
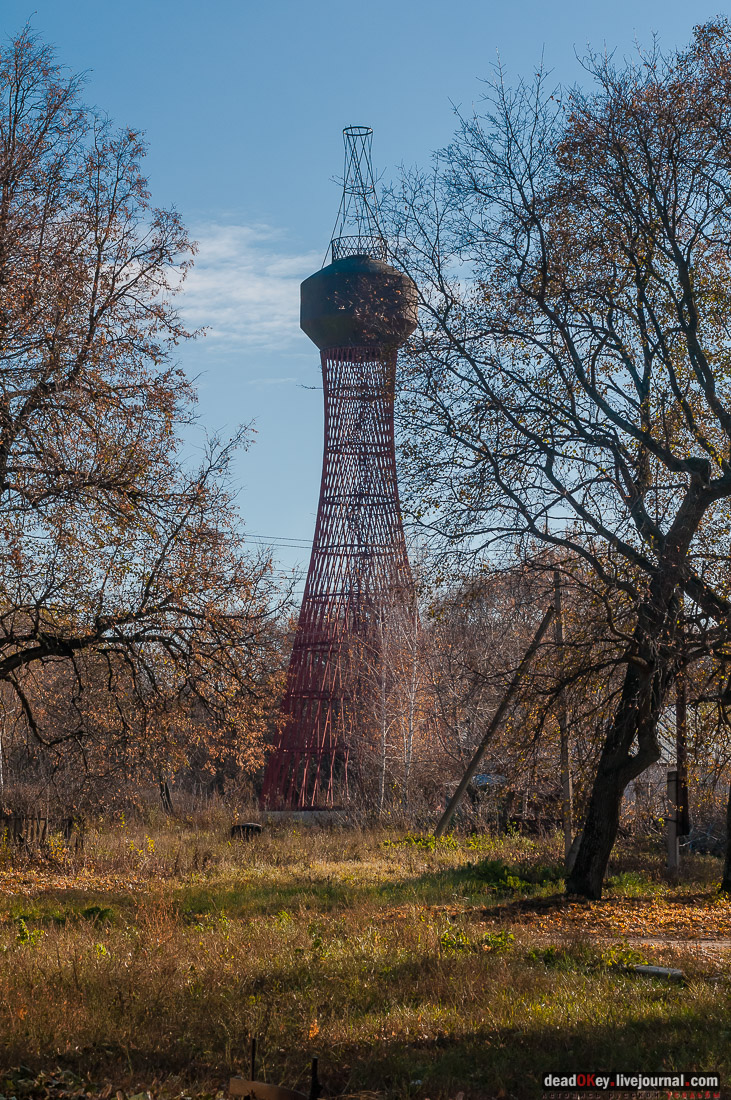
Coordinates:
635 884
157 979
98 914
501 878
425 842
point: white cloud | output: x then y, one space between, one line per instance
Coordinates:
244 287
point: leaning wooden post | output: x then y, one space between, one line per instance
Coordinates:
497 718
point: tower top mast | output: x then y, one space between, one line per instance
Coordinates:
357 232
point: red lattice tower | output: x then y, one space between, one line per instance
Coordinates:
357 310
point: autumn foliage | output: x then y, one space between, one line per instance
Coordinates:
133 623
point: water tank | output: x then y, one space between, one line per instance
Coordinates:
358 301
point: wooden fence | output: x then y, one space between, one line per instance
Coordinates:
32 831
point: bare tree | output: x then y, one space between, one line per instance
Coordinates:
389 676
571 380
117 560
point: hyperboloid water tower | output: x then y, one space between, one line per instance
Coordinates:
358 310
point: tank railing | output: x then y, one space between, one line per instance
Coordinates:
360 245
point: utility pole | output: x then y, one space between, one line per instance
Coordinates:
672 821
567 794
682 812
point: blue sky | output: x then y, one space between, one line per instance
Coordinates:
243 103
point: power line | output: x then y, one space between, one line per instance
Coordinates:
282 540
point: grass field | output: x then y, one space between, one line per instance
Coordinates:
411 969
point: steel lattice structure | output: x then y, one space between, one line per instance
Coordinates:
357 310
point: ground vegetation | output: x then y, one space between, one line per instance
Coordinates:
412 968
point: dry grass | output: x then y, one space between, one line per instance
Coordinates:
152 959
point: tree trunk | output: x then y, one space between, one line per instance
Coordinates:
166 797
412 689
726 880
384 746
646 683
600 830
